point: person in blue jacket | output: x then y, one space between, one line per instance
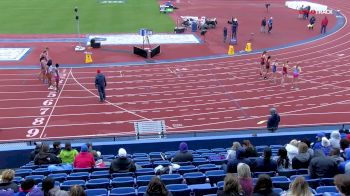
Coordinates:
100 83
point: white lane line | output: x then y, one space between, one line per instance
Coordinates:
53 107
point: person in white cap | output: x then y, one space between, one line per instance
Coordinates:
122 163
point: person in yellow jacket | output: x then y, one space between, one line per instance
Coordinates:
68 154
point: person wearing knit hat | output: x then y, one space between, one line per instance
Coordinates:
326 146
317 144
122 163
183 155
100 83
335 139
84 159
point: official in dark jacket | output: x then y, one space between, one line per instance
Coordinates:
183 155
273 121
322 166
122 163
45 157
100 83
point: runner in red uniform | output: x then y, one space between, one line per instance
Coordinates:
267 66
284 73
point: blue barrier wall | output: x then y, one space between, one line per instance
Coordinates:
13 157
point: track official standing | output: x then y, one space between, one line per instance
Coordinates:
100 83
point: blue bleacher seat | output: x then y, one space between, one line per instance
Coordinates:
313 183
143 180
220 185
278 190
207 167
323 189
96 192
215 175
187 169
66 171
123 182
144 171
145 164
123 191
139 155
277 146
60 177
107 156
194 178
164 163
140 159
17 179
69 183
179 189
101 169
279 178
141 190
41 171
123 174
23 172
200 161
36 178
98 183
218 150
210 154
78 176
270 173
154 154
171 179
202 189
184 163
288 172
56 184
29 166
302 171
76 170
281 182
201 151
197 156
306 176
327 182
100 174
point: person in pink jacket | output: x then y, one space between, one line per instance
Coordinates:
84 159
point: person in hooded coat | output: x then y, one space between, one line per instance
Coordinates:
322 166
240 158
292 150
325 146
45 157
344 167
183 155
122 163
301 160
35 151
335 139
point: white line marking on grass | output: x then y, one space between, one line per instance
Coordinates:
53 108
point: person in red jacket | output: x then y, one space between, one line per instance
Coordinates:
84 159
324 24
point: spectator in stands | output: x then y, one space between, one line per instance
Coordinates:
122 163
231 153
263 186
92 151
322 166
325 146
45 157
301 160
249 149
56 148
232 186
344 167
344 144
183 155
335 155
240 158
68 154
342 182
317 144
6 180
265 163
84 159
77 190
99 162
335 139
299 187
308 143
28 188
245 178
292 150
49 188
35 151
282 159
157 188
273 121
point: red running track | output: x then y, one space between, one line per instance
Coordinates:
223 94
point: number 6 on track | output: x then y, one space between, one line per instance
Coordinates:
48 102
32 132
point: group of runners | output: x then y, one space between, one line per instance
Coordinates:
49 73
269 68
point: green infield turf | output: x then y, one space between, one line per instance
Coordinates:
96 16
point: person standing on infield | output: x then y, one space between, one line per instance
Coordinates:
100 83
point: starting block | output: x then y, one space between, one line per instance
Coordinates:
88 57
248 47
231 50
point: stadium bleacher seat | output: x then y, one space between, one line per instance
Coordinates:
144 171
187 169
184 163
327 182
123 182
203 189
171 179
143 180
215 175
17 179
100 174
218 150
60 177
123 174
41 171
101 169
194 178
270 173
179 189
201 151
96 192
200 161
207 167
56 184
313 183
140 155
141 190
36 178
23 172
78 176
278 190
123 191
77 170
154 155
288 172
99 183
69 183
163 163
145 164
306 176
302 171
209 154
140 159
323 189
